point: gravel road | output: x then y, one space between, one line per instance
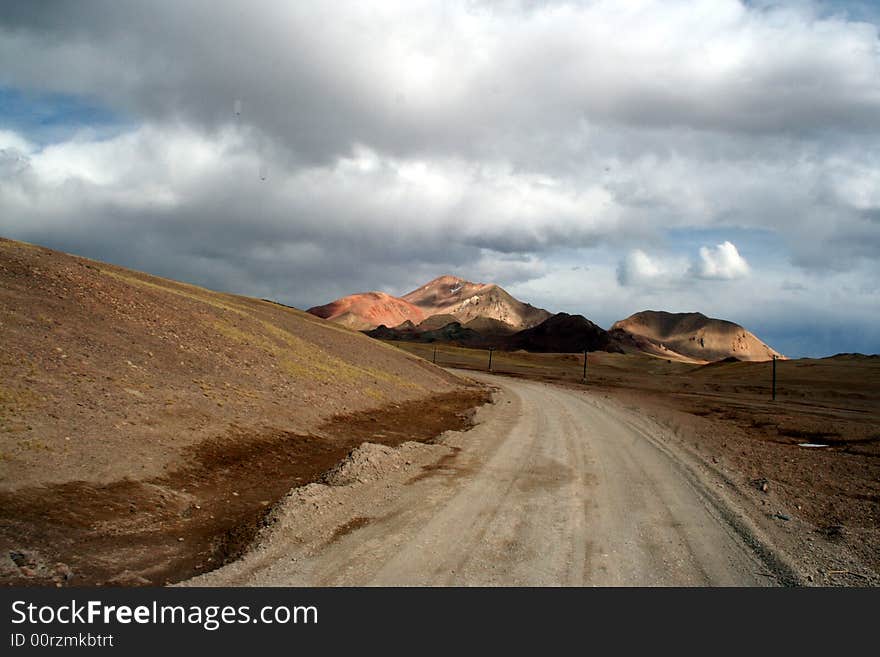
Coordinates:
553 487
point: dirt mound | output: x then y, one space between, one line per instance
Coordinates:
695 336
563 333
367 462
368 310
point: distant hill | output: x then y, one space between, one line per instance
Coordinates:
451 333
853 356
563 333
467 301
368 310
480 332
451 309
691 335
432 323
490 327
440 302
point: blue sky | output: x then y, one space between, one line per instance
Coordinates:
46 118
594 157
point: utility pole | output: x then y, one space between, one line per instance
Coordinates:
585 366
491 349
774 377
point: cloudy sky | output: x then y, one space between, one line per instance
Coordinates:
592 157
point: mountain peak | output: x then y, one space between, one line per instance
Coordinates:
466 301
444 281
450 295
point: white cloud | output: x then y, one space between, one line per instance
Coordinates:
10 140
640 269
722 261
367 195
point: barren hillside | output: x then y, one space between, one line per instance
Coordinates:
369 310
694 336
129 390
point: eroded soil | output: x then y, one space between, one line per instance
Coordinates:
201 515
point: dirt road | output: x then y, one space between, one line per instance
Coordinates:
553 487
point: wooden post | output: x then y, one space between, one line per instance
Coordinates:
774 378
585 366
434 360
491 349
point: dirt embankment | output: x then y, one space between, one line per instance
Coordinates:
134 408
202 515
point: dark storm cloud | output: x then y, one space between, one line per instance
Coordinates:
411 79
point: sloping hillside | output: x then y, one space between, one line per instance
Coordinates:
124 393
695 336
489 327
631 343
432 323
368 310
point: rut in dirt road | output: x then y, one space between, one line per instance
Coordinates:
553 487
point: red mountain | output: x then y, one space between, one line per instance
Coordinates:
369 310
455 298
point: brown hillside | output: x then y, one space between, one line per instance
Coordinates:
146 425
490 327
108 373
368 310
695 336
434 322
